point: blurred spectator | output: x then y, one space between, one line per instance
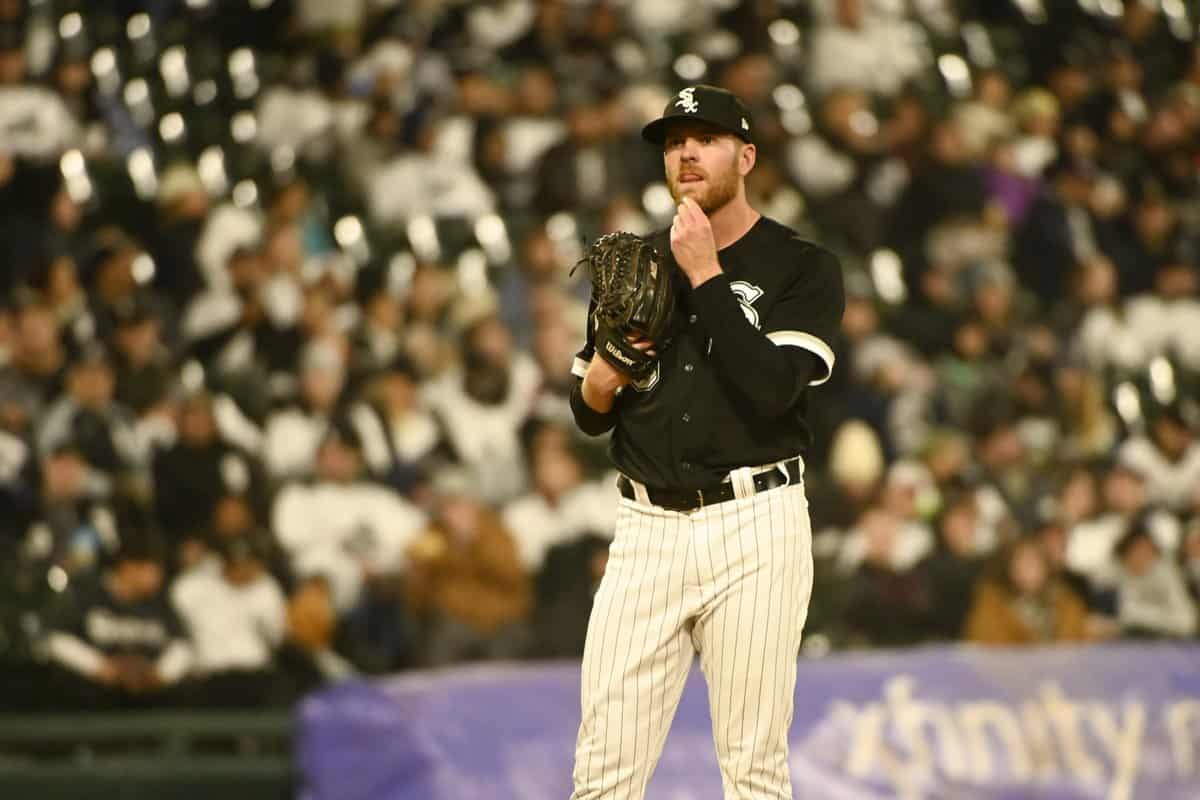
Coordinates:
889 603
953 569
400 436
36 368
1022 602
198 470
1152 597
307 657
116 642
984 121
483 403
72 527
235 616
183 208
89 419
853 48
908 495
1091 540
343 527
1169 458
590 168
292 434
142 366
1059 231
561 506
465 579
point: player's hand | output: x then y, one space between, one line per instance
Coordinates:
693 244
602 379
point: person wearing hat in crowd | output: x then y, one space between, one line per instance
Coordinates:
115 642
143 369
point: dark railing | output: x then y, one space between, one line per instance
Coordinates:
146 756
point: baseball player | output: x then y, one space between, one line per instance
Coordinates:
712 549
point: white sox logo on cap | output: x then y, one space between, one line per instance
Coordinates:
687 100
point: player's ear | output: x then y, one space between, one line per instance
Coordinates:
746 159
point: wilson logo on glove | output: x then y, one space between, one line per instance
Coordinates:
617 354
634 297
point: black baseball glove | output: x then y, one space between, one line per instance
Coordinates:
634 292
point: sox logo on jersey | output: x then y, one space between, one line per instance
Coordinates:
747 294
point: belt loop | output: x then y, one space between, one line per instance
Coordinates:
639 492
742 479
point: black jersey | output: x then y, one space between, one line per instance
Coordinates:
115 627
731 389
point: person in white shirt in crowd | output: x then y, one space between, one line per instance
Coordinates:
292 434
908 493
1091 541
398 433
482 404
343 526
1169 456
853 47
1152 596
1166 319
34 120
236 617
561 505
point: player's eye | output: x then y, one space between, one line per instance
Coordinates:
708 139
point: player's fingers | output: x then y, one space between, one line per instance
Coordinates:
688 209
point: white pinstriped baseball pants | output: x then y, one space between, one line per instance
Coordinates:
731 582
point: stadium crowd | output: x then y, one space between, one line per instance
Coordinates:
287 319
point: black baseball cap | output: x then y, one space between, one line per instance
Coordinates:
711 104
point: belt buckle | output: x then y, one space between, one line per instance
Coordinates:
699 498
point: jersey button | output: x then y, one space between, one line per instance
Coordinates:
687 466
688 368
687 417
692 319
